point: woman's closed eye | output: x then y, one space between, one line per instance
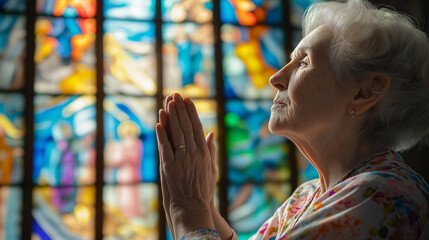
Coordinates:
304 62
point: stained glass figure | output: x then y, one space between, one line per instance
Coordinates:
130 141
63 213
67 8
251 12
64 140
13 6
250 57
188 59
199 11
249 206
12 51
131 212
65 55
129 9
11 138
298 8
10 212
129 57
253 153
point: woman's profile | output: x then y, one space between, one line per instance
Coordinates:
355 93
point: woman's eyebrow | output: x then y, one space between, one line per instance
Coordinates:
301 48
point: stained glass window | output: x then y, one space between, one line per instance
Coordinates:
250 57
254 154
251 12
63 213
64 55
12 50
130 147
11 138
129 57
88 87
250 205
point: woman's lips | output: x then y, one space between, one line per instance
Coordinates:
278 104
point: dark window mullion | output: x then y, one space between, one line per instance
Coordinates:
99 142
220 99
29 124
159 100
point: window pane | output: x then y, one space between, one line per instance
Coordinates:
12 51
129 57
199 11
10 212
131 212
130 149
13 5
250 57
298 8
249 206
11 138
82 8
251 12
129 9
254 154
63 213
65 55
188 58
64 140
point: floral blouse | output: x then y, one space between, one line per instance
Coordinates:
382 198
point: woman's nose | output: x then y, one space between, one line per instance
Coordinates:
280 80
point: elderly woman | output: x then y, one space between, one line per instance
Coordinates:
355 92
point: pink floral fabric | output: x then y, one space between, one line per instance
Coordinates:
382 198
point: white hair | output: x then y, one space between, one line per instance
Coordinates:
368 40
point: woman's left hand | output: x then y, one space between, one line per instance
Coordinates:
186 166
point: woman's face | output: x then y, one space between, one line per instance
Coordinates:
308 101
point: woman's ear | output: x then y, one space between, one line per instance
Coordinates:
369 92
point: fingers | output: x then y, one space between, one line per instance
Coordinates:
177 134
196 123
184 120
164 146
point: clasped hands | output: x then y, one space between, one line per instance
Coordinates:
187 167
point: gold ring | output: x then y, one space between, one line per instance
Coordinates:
180 147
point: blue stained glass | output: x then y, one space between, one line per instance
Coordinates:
64 140
12 51
251 12
11 138
249 206
298 8
13 5
63 213
254 154
82 8
199 11
129 57
129 9
130 142
306 171
251 55
188 58
65 55
10 215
